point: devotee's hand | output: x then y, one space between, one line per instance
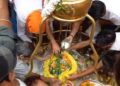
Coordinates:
69 38
66 42
55 48
55 82
69 83
73 76
52 81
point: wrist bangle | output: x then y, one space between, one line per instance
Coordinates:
6 20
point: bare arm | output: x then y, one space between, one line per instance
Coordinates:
80 45
4 14
55 46
75 28
86 72
49 32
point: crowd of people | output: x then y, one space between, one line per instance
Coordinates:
16 48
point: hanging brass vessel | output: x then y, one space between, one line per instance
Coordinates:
72 10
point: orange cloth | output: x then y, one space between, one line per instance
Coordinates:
33 22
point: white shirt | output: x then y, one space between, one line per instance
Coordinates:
112 11
116 44
10 1
21 83
97 29
23 8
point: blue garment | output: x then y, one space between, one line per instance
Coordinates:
13 17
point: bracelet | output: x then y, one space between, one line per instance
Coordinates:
71 35
6 20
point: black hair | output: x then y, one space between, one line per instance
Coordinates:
117 70
105 37
109 58
32 80
24 48
97 9
6 78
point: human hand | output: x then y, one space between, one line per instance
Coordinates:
55 48
66 42
73 77
55 82
69 83
69 38
52 81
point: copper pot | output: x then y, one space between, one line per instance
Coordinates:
72 10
